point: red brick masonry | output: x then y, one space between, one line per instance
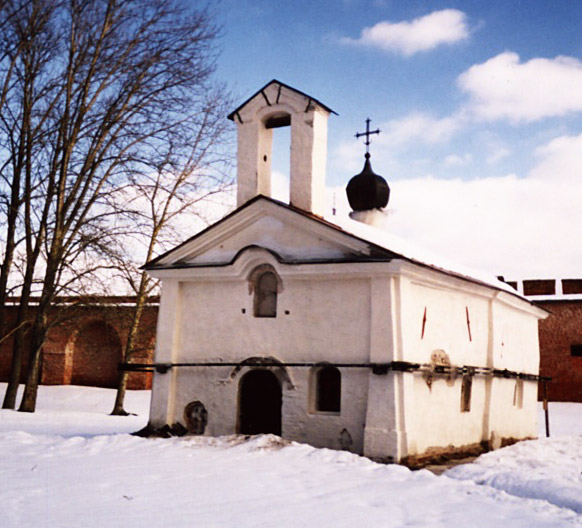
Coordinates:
560 334
86 347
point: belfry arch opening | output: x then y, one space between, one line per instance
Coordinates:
279 157
260 400
278 121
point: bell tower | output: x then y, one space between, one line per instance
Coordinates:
273 106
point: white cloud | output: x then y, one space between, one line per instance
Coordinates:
454 160
497 155
347 156
419 127
280 186
421 34
505 88
561 161
517 227
411 130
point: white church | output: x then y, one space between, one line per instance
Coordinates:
333 332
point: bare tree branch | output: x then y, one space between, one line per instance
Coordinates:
96 98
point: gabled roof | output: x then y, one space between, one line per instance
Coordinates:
382 245
416 255
280 85
358 249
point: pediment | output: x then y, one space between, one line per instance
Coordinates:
291 235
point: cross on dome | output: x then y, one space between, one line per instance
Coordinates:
367 133
367 190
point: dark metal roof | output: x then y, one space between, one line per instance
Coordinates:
367 190
275 81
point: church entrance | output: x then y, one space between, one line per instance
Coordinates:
260 399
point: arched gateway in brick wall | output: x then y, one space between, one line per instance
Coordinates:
85 345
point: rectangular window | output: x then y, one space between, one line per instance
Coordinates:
328 389
466 393
576 350
518 394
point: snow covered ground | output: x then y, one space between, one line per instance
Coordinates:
70 464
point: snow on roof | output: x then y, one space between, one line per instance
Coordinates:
373 235
391 242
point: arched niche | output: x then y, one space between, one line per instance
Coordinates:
97 352
326 389
265 284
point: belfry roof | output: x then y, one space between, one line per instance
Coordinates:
281 86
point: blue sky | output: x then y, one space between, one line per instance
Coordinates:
479 104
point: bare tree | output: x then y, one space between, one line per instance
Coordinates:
185 179
122 81
29 46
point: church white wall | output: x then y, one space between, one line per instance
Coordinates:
385 433
263 224
278 237
167 343
320 317
218 391
433 414
515 347
499 334
315 318
432 405
352 313
308 160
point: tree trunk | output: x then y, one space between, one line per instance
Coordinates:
28 403
9 246
17 354
39 330
18 345
131 338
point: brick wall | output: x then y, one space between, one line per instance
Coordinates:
561 329
570 286
85 347
539 287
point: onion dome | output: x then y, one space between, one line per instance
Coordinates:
367 190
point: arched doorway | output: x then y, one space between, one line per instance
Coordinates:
260 400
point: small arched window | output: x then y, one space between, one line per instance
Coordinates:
265 303
328 389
